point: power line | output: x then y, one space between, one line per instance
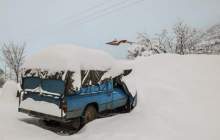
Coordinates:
84 12
112 6
102 12
111 11
88 10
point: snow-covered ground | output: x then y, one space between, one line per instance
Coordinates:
178 98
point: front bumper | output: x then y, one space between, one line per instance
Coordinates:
43 116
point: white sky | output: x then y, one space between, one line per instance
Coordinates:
46 22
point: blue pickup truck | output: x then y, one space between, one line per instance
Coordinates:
53 97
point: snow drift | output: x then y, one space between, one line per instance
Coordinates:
178 98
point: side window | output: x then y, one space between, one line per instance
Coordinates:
94 88
103 86
106 86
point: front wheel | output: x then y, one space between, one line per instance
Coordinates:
89 114
126 108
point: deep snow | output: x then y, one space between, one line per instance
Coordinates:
178 98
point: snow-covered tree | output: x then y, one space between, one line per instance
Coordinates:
165 42
145 47
210 41
186 38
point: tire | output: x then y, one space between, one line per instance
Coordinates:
89 114
127 108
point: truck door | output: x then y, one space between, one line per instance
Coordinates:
119 95
105 98
110 91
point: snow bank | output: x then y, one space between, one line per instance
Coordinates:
178 98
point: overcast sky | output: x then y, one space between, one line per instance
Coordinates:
91 23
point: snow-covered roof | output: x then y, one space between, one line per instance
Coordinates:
70 57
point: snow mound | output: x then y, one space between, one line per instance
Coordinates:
9 91
178 98
70 57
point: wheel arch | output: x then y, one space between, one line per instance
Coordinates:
95 104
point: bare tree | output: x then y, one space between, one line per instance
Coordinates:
13 55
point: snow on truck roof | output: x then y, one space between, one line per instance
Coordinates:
70 57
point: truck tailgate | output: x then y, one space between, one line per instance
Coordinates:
41 106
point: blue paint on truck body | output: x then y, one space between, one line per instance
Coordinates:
103 96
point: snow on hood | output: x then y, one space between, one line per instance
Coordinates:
70 57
